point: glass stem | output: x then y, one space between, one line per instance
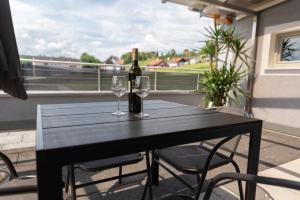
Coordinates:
118 104
142 104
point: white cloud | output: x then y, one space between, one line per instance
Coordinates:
96 43
102 28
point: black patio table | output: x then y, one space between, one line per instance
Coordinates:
79 132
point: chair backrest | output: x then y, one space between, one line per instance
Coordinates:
230 146
227 148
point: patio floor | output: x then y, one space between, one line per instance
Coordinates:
277 152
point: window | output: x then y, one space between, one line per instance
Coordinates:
289 48
287 53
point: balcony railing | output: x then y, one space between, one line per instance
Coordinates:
45 75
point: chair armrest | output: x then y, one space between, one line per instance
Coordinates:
27 177
252 179
9 164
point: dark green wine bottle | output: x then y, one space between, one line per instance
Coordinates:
134 101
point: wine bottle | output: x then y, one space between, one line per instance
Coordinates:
134 101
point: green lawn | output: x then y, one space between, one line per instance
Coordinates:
146 62
194 68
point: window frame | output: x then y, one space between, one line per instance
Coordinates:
277 63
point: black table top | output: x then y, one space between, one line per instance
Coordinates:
62 126
80 132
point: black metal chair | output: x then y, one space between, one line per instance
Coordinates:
104 164
16 187
199 159
250 179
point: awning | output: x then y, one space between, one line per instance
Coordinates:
238 8
11 80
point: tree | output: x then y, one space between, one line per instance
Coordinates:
186 53
87 58
142 56
194 52
127 58
209 51
222 84
288 49
172 52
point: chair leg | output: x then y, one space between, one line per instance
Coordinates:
200 184
198 179
120 174
72 183
145 189
155 168
237 169
67 180
148 184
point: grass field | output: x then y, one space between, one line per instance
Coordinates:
146 62
194 68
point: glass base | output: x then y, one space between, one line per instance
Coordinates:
118 113
141 115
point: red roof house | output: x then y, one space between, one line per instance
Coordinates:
158 63
178 61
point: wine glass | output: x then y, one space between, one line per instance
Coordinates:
142 89
119 87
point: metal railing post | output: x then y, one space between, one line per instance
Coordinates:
198 79
99 80
155 81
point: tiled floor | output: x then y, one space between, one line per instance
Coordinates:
17 140
276 149
289 171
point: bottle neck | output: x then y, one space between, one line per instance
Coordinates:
135 63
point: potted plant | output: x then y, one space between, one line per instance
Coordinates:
222 82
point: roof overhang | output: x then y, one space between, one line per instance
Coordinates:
238 8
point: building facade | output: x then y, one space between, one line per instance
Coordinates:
276 93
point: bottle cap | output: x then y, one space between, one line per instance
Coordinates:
134 53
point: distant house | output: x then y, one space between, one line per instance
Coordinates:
175 62
158 63
195 59
114 60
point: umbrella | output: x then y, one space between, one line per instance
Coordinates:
11 80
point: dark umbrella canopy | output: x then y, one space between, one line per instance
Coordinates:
11 80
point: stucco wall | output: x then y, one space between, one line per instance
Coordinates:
276 93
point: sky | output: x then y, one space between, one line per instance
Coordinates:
104 27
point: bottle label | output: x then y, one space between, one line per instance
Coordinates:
129 86
134 56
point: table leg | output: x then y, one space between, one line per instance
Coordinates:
49 180
253 160
154 169
149 176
